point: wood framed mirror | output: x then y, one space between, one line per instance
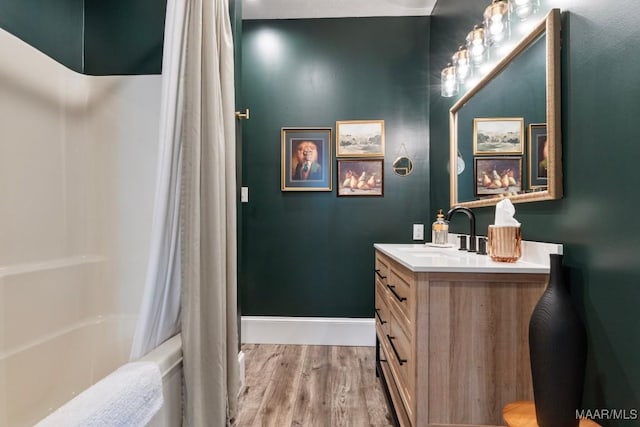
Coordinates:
507 127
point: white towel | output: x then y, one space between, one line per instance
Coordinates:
129 396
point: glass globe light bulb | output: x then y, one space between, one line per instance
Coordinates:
448 82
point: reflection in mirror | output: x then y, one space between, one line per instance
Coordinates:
402 166
460 163
507 127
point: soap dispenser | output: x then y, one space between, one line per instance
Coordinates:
440 230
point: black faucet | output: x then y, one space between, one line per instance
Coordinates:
472 224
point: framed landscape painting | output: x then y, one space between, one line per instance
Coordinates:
493 136
360 138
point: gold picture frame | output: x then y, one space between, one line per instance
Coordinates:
360 177
498 135
495 176
306 163
538 156
360 138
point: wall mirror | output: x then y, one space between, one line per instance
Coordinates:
403 166
507 127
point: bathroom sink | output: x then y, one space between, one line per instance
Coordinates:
425 249
428 252
422 248
431 254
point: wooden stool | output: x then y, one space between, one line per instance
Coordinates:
523 414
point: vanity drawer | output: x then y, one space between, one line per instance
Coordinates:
382 269
381 310
400 289
400 357
398 404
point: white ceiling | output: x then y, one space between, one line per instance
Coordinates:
291 9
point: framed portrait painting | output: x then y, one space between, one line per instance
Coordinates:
492 136
497 175
538 154
360 177
306 159
360 138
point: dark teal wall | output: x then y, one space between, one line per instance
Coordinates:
311 253
53 27
123 36
597 219
91 36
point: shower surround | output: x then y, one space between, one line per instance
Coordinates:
77 179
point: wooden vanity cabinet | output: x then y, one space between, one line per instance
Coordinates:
453 347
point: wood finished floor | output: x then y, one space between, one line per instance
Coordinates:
311 386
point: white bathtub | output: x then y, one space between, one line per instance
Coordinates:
53 346
169 357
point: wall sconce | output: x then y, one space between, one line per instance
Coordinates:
477 45
462 64
496 21
523 9
448 81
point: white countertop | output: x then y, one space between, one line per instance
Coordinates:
424 258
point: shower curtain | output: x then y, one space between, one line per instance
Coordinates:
159 316
195 217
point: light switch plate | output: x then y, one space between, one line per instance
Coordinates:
244 194
418 231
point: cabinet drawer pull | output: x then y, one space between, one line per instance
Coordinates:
393 291
382 322
377 270
393 347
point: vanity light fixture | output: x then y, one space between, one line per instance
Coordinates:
462 64
496 21
487 42
448 81
477 45
523 9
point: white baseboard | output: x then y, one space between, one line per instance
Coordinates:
308 331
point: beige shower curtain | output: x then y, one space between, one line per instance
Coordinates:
208 217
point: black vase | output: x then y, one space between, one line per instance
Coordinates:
558 348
